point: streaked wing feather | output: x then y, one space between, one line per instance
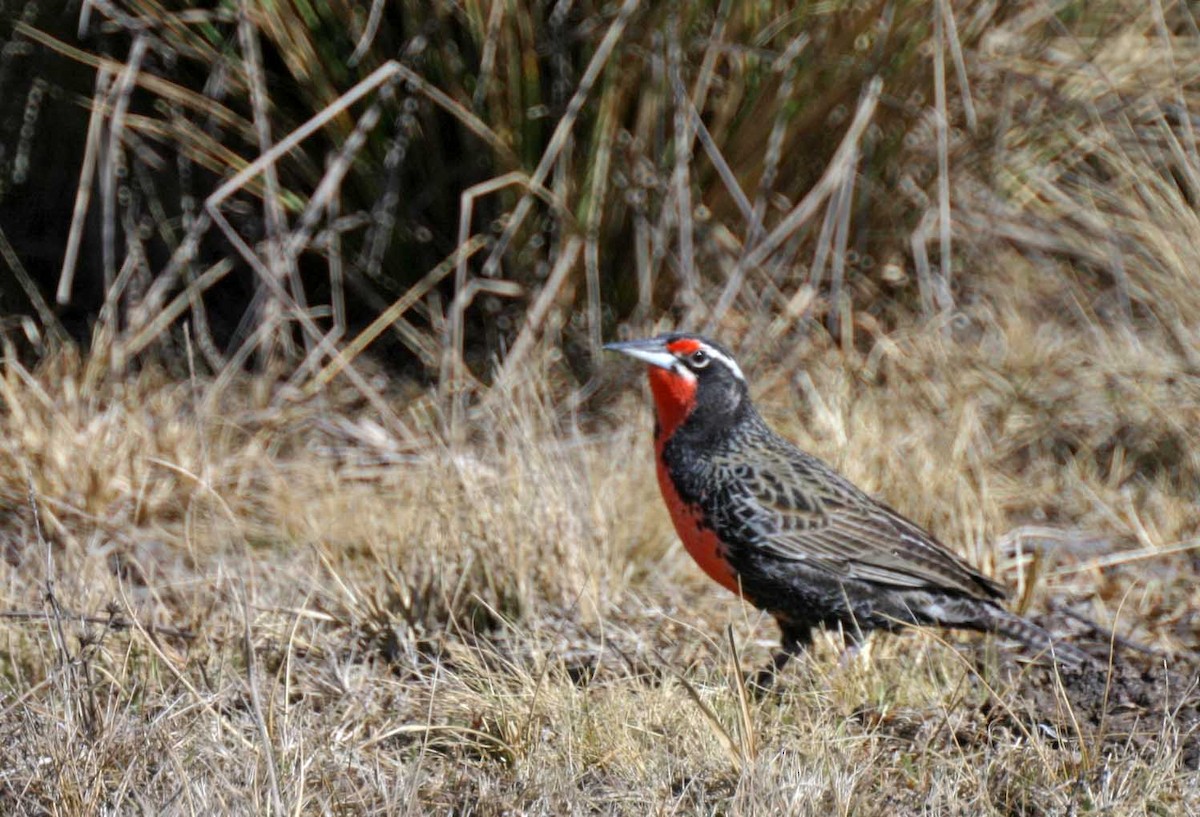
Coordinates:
821 518
856 547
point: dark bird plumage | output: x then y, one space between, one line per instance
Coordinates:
788 532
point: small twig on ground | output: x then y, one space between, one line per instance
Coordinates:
256 701
113 621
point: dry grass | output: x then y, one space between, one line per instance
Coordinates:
321 590
512 628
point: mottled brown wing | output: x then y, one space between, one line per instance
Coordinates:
802 510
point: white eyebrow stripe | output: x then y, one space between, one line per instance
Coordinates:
726 359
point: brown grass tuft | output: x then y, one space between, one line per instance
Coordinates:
322 588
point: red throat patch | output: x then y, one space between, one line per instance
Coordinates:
674 398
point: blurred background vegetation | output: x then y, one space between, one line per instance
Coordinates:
484 179
261 261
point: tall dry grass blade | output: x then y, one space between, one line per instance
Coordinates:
643 252
301 236
536 314
941 119
453 374
367 38
452 365
487 60
785 65
147 334
558 139
55 615
198 102
260 718
85 17
398 426
960 64
714 44
389 72
824 248
1127 557
463 299
106 335
278 263
83 192
844 198
118 102
599 174
840 164
414 294
45 314
681 184
747 745
733 749
337 269
699 130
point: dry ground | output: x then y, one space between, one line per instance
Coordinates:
215 602
221 597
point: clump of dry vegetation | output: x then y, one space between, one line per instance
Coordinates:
385 537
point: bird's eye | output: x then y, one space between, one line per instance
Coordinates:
699 358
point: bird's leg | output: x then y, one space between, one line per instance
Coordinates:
853 640
793 642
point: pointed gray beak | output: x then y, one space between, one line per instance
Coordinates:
650 350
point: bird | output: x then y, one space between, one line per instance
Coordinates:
785 531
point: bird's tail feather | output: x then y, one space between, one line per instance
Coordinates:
1010 625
